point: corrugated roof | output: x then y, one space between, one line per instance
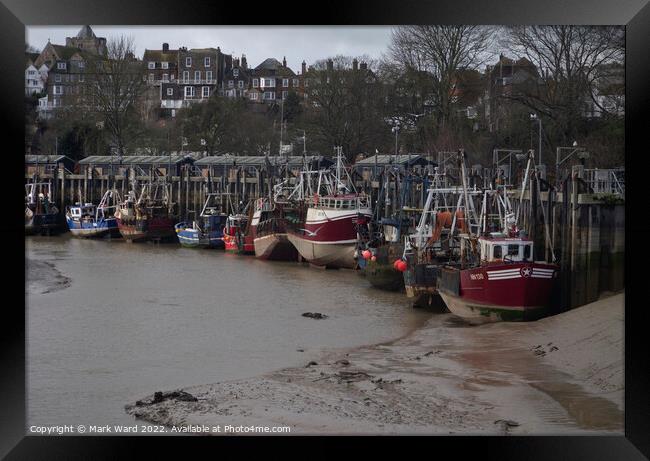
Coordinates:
33 158
257 160
134 159
395 159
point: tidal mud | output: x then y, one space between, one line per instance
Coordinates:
559 375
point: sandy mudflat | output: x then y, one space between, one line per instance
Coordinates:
43 277
559 375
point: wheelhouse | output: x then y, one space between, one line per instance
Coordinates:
343 202
498 248
85 211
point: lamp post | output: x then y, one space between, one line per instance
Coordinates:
395 130
539 120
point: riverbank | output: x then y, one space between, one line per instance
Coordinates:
559 375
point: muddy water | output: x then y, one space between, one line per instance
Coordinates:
109 322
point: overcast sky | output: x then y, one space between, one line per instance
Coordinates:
258 43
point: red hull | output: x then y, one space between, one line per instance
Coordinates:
238 243
515 291
153 228
334 231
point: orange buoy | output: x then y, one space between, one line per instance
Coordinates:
401 265
366 254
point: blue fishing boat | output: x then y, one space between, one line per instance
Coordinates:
87 220
207 230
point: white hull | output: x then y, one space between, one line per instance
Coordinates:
477 313
89 232
328 254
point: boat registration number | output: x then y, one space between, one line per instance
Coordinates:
478 276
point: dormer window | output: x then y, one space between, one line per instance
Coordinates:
152 65
60 65
206 62
188 61
235 72
164 65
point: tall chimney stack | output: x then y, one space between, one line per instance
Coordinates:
165 47
330 64
304 67
243 61
284 61
355 64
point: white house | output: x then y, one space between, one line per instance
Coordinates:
35 79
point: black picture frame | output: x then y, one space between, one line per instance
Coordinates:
635 14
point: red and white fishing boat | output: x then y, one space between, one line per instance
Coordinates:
507 284
327 233
497 277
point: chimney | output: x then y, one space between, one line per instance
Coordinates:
355 64
284 61
165 47
330 64
304 67
235 62
363 66
243 61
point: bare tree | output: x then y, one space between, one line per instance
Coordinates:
570 60
113 88
440 52
345 105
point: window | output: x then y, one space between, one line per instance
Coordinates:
81 77
513 250
197 76
151 77
189 92
296 82
496 252
32 72
172 76
57 78
165 77
60 65
253 95
269 82
235 72
205 92
284 94
152 65
164 65
186 76
269 95
230 84
285 82
240 84
527 249
256 83
188 61
82 64
206 61
58 89
170 92
208 76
